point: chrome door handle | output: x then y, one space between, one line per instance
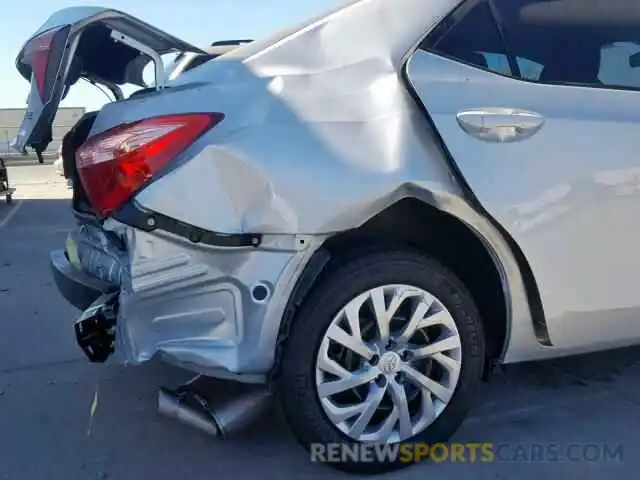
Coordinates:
500 125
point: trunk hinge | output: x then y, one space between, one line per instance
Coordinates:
142 48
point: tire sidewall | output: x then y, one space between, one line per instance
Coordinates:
297 385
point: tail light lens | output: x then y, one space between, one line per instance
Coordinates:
37 55
115 164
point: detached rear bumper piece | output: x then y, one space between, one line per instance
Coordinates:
96 329
77 287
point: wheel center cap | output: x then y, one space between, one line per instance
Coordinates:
390 363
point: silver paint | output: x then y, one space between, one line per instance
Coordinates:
194 304
321 133
564 188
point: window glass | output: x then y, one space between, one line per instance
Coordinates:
499 62
475 40
617 65
575 42
566 42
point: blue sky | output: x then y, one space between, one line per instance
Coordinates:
197 21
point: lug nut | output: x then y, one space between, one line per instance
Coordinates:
374 360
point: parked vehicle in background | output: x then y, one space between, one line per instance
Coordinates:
367 213
5 188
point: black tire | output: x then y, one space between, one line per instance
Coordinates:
9 199
296 386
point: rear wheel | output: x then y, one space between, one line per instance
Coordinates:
388 349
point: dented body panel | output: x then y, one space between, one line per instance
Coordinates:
342 111
310 146
321 133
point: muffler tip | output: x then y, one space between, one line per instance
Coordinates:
238 412
216 420
171 406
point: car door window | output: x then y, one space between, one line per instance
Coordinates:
576 42
473 38
566 42
497 62
620 64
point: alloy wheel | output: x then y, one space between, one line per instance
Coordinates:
388 364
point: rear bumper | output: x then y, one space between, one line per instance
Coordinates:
77 287
213 310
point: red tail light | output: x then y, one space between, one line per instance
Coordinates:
36 54
115 164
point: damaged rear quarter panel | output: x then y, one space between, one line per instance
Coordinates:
320 134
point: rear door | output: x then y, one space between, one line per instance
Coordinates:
541 113
82 42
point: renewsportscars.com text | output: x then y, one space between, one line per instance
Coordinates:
469 452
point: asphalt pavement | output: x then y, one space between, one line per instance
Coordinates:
47 387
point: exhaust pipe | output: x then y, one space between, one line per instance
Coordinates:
171 405
240 411
191 409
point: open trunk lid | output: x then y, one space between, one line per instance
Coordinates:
99 44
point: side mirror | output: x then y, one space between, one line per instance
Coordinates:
634 60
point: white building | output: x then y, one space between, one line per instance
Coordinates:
11 118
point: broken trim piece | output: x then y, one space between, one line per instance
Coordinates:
95 329
149 221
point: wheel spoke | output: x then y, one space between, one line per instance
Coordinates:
428 409
383 313
339 414
385 431
451 365
399 396
440 391
353 343
414 321
352 312
372 402
355 379
380 311
329 365
439 346
438 318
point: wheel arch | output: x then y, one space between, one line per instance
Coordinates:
441 234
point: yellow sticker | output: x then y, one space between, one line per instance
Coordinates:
72 252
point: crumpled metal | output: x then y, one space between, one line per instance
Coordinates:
99 254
